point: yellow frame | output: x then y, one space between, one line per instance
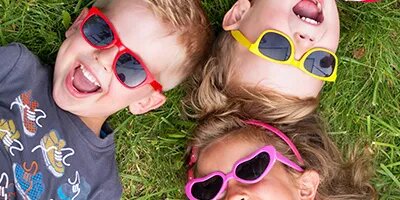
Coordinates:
253 48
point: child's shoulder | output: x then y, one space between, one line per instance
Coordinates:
13 58
12 53
14 48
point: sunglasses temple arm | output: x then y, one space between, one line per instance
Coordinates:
241 38
279 134
288 162
156 86
192 162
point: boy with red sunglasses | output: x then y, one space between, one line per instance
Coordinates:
118 54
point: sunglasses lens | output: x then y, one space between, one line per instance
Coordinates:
275 46
254 168
320 63
97 31
207 189
129 71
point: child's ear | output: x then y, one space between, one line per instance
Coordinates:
235 15
309 182
77 23
155 100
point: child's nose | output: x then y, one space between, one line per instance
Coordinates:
238 197
106 57
236 191
303 42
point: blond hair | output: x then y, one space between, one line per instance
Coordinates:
339 179
187 19
214 87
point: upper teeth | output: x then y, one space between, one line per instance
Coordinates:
89 76
309 20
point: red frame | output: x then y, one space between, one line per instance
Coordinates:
121 50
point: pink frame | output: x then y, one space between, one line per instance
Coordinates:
274 156
121 50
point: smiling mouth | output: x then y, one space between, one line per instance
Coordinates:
309 11
84 81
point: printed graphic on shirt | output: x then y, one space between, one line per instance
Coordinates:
6 188
78 189
9 135
28 181
30 114
52 147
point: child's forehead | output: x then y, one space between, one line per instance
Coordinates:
117 7
137 11
134 16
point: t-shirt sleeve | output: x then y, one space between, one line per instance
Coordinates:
9 56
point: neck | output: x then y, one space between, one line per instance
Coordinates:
94 124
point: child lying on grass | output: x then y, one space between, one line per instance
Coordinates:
245 158
118 54
281 51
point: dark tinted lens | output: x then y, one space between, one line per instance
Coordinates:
275 46
207 189
320 63
254 168
129 70
97 31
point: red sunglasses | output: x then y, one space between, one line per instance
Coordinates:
129 69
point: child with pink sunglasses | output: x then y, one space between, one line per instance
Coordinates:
234 157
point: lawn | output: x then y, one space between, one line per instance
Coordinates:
362 105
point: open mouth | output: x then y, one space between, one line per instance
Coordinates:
84 81
310 11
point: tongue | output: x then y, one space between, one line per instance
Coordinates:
82 84
306 8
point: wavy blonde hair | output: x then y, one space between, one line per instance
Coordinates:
214 87
339 178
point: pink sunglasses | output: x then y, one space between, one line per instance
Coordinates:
248 170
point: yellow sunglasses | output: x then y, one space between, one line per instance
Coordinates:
277 47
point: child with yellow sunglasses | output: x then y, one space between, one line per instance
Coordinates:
281 51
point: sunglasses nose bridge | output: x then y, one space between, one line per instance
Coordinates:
296 63
230 176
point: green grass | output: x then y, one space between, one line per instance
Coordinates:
363 104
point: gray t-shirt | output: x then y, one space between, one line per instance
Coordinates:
45 152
